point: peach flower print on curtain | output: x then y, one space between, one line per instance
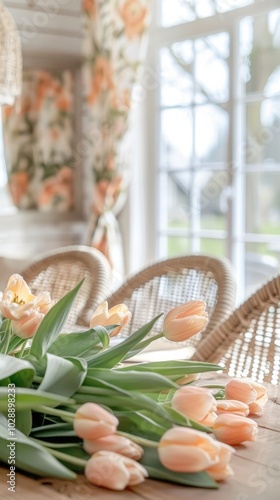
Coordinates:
114 49
38 143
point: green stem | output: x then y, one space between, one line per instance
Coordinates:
53 445
22 349
65 415
142 345
213 386
4 344
64 456
138 439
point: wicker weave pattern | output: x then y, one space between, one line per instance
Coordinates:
59 271
167 284
247 344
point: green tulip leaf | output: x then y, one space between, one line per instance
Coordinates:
63 376
133 380
52 324
30 398
29 455
79 343
116 354
16 371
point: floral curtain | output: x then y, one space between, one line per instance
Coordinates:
38 141
115 43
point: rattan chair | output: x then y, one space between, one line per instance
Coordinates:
60 270
172 282
247 344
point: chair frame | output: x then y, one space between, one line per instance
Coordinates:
93 260
220 268
213 348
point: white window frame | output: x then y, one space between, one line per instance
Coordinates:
164 36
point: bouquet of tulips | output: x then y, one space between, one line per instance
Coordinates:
78 408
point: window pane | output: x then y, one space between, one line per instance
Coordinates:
213 199
263 131
177 246
261 264
177 11
174 200
211 134
213 247
211 68
176 66
182 11
263 202
176 138
260 50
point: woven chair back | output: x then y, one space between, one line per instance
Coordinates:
172 282
59 271
247 344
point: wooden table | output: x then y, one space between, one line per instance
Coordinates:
256 474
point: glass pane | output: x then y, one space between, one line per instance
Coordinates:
176 138
211 134
263 131
213 247
176 66
262 262
174 201
182 11
263 202
260 50
211 68
213 188
176 11
178 246
227 5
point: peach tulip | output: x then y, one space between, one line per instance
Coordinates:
182 449
17 298
25 310
27 326
91 421
118 444
233 429
222 469
249 392
117 315
114 471
184 321
197 403
232 406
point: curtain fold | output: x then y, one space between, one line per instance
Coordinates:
38 143
114 48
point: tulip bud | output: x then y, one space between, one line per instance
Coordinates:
182 449
247 391
196 403
119 315
184 321
91 421
222 469
118 444
27 326
232 406
233 429
113 471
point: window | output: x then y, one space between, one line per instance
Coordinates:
216 133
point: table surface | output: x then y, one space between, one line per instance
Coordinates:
256 474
